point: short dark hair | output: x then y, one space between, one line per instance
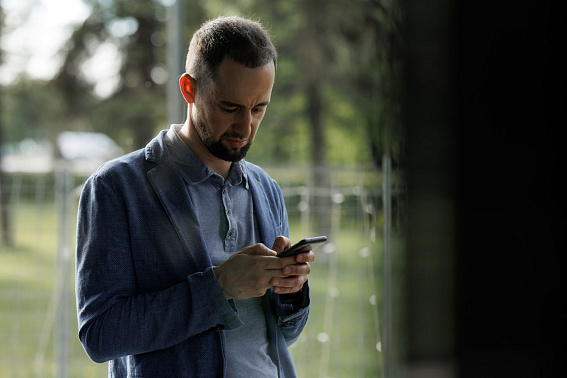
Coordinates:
241 40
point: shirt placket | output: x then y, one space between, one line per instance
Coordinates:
231 234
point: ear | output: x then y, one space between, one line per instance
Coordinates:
187 87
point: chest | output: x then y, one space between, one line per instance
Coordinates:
226 218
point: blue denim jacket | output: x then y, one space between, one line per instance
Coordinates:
147 298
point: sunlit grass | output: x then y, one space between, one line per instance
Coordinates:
339 340
27 283
341 335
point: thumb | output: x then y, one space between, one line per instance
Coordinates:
258 249
281 243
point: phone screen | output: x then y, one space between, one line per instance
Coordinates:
304 245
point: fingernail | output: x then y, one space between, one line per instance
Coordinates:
275 282
287 270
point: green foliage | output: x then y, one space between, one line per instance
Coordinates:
32 109
136 29
27 280
115 113
354 54
369 64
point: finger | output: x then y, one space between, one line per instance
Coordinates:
286 290
297 269
278 263
258 249
289 282
288 285
282 262
305 257
281 243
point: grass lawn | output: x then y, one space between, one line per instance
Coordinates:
340 339
341 336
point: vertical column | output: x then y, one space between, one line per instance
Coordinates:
63 197
175 53
387 208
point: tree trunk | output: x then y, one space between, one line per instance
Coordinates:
312 66
7 237
321 195
7 234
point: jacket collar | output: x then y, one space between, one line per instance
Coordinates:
170 187
192 168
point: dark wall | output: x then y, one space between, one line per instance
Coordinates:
488 137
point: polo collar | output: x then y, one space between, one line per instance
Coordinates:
193 170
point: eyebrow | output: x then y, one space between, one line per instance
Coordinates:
235 105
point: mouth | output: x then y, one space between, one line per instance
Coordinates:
236 143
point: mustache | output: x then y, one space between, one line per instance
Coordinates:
233 136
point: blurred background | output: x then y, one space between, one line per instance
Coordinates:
424 137
83 81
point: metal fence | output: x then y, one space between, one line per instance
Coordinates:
345 333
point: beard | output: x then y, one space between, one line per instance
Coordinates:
217 148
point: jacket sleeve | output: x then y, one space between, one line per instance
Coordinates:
115 318
292 310
292 313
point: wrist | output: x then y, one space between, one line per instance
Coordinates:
217 270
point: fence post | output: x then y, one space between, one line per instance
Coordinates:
175 59
61 339
387 208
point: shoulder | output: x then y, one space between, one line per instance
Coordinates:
258 177
136 163
124 169
126 163
258 174
261 181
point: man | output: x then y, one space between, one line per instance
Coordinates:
174 277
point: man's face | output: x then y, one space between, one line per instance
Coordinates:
229 111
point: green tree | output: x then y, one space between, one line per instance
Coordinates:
372 31
304 51
338 84
36 110
137 106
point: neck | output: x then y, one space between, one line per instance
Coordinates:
192 139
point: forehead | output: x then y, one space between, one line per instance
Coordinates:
247 86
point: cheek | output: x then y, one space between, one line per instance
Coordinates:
216 123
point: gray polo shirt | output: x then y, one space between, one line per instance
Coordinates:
228 224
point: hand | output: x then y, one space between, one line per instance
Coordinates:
249 272
295 270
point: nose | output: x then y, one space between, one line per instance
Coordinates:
243 123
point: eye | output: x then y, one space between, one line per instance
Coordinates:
230 110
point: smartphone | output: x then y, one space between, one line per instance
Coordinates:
304 245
